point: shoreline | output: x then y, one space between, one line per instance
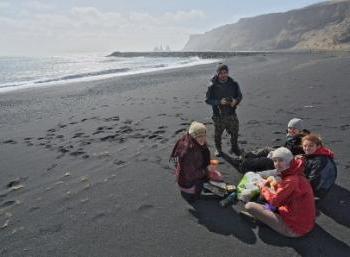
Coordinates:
83 79
223 54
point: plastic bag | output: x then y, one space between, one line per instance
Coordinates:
247 188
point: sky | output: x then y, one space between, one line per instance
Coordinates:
35 28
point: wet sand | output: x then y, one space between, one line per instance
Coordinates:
85 171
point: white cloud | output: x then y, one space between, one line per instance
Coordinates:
182 16
89 29
37 5
4 5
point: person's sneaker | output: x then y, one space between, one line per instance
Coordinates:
228 201
247 216
218 153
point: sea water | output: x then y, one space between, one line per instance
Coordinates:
26 72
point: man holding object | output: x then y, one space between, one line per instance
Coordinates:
224 95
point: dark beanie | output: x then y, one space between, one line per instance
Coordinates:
221 67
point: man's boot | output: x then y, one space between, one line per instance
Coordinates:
235 150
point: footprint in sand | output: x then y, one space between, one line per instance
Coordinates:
34 208
344 127
115 118
109 138
99 216
125 129
9 141
79 134
146 210
179 131
51 229
119 162
277 132
253 122
63 149
77 153
8 203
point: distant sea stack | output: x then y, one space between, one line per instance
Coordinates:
323 26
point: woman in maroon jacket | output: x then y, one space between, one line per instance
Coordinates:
293 198
192 158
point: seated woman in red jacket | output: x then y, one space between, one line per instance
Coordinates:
192 158
293 198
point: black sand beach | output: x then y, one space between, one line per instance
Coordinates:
85 172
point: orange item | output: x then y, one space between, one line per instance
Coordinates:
214 162
216 175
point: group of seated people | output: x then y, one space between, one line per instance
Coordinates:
306 169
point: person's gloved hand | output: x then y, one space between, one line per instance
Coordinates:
233 103
269 207
224 101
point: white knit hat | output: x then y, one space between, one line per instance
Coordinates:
283 153
296 123
197 129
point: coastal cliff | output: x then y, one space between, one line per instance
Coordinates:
324 26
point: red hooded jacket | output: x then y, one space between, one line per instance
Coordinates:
294 198
325 152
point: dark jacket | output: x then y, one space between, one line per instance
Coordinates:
192 161
218 90
293 143
321 170
294 198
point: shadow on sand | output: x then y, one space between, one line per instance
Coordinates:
228 222
317 243
336 205
222 221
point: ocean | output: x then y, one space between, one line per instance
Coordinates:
17 73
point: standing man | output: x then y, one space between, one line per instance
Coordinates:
224 95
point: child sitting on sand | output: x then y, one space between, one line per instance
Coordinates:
320 168
259 160
192 158
293 198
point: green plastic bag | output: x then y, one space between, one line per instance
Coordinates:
247 188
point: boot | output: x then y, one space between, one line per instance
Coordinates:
235 150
